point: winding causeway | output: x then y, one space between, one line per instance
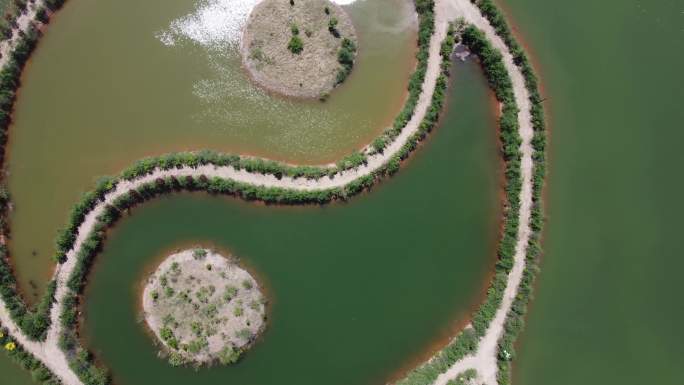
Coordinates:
483 359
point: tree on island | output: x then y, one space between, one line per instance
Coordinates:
296 45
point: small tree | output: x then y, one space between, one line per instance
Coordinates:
199 253
296 45
332 27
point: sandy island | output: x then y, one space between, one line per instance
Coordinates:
294 48
203 308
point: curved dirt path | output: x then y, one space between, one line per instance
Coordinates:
484 360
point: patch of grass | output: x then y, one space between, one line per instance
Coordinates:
229 293
169 292
295 45
245 334
464 378
198 254
332 26
176 359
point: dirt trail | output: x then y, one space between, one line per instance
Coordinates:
484 360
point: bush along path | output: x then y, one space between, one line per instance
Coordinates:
49 334
486 345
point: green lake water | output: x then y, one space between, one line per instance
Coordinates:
102 91
358 289
13 374
608 307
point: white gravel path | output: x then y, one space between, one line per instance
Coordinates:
484 359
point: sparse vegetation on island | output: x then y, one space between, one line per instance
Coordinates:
315 54
202 318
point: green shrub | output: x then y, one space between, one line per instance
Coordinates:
176 359
198 254
345 56
332 26
229 355
296 45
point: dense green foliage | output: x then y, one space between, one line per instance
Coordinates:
345 56
464 378
295 45
35 324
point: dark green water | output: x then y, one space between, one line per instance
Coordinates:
358 289
608 307
11 373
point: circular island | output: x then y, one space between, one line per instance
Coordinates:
299 48
203 308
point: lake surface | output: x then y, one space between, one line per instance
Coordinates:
13 374
608 306
358 290
104 89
